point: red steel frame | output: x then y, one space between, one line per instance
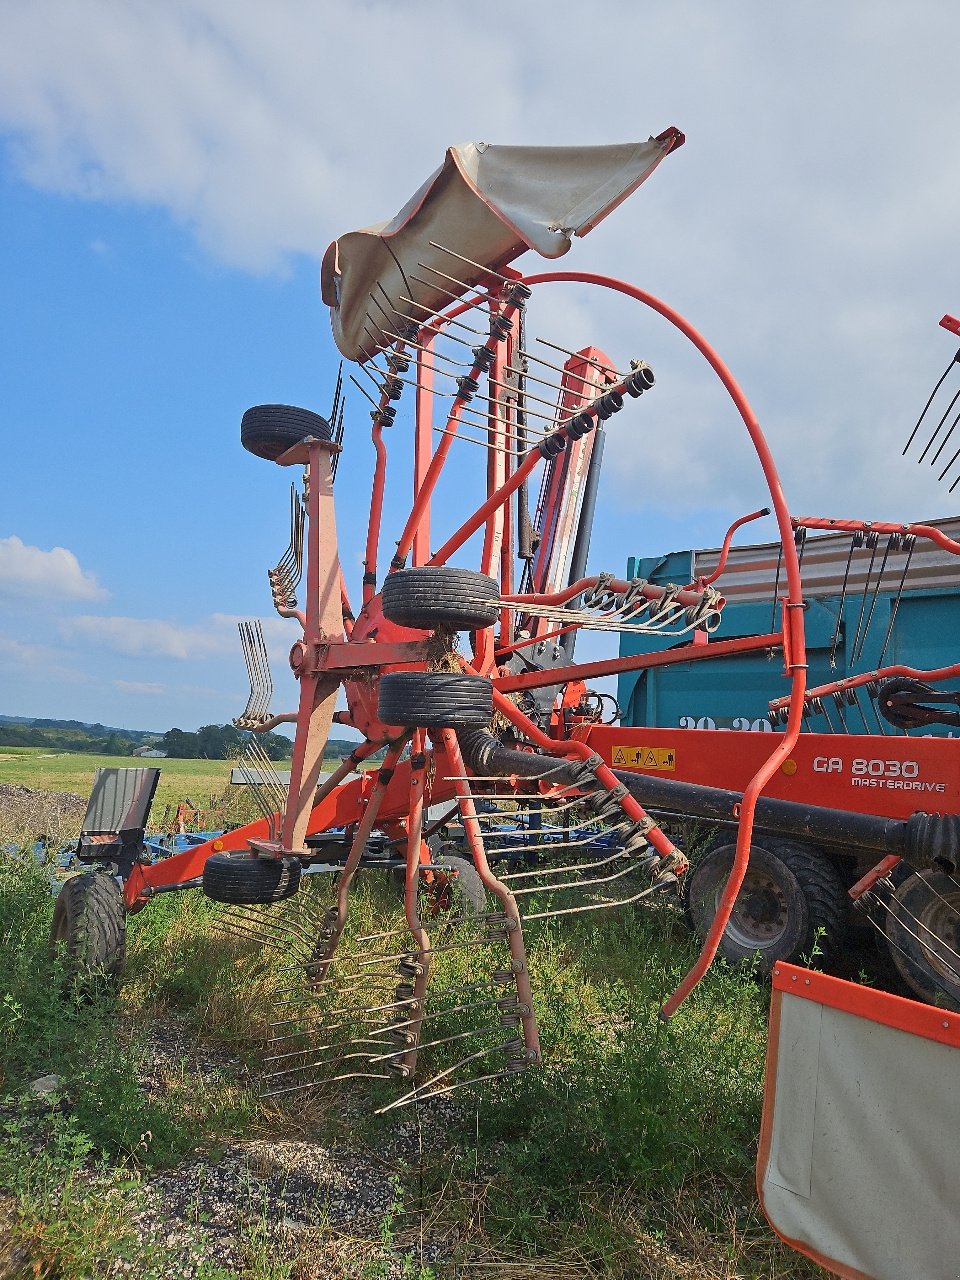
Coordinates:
336 649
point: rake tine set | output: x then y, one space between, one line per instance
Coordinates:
948 415
258 672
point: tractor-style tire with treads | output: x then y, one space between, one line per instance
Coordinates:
269 430
440 596
435 700
791 906
89 931
242 880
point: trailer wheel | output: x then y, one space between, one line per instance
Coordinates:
269 430
922 932
89 930
242 879
440 596
434 700
790 907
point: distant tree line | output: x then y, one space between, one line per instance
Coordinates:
209 742
110 743
220 742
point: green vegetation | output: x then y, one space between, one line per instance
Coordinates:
630 1154
72 735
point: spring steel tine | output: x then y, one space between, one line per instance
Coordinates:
901 917
872 542
364 390
442 1075
441 326
940 382
893 543
859 706
541 848
776 586
470 263
909 543
479 301
602 368
483 444
575 884
528 395
561 870
483 295
420 1096
307 1050
952 460
460 1035
310 1008
597 906
271 1076
843 595
949 410
943 443
336 393
949 464
552 386
525 354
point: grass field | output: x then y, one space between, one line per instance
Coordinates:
73 771
629 1156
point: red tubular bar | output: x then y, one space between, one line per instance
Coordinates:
425 494
867 677
571 747
793 636
878 526
688 597
638 662
471 830
376 515
480 516
423 439
495 500
705 581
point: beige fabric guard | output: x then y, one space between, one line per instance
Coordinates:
859 1161
487 203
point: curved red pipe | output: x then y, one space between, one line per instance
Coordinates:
793 635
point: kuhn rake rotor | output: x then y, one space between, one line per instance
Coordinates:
463 677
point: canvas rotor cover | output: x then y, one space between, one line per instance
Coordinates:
486 203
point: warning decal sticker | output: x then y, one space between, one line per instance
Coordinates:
644 757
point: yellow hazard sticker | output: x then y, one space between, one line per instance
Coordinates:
645 757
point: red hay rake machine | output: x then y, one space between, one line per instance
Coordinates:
457 663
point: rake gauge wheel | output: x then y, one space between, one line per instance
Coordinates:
269 430
434 700
89 931
243 880
432 597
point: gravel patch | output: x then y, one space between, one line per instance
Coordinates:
26 814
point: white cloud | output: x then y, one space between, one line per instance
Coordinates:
160 638
137 686
54 574
807 227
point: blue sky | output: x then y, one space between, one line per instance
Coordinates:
170 176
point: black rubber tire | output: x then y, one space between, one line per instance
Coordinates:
439 596
89 929
269 430
922 933
238 878
792 905
462 894
435 700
